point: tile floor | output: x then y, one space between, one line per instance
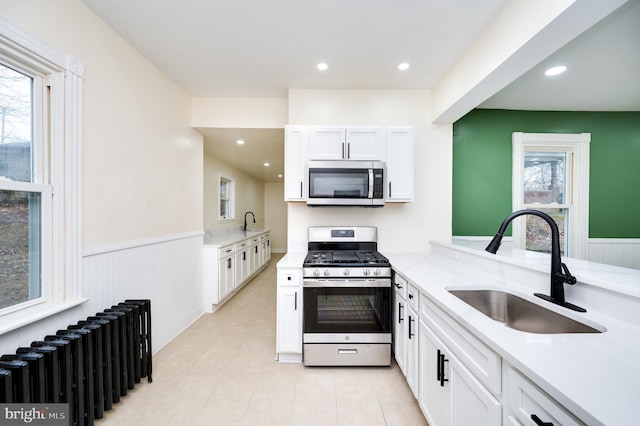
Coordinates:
222 371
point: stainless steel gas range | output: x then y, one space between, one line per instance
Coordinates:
346 298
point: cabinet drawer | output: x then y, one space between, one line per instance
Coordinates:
241 246
289 277
225 251
400 284
485 364
524 400
412 297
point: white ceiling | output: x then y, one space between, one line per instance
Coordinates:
250 48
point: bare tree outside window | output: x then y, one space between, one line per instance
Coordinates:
19 210
545 186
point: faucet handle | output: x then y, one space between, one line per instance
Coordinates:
567 277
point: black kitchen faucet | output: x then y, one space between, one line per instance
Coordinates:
559 272
245 220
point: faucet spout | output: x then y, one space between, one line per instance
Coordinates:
559 272
244 228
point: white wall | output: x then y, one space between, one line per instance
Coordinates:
142 173
249 196
401 227
275 213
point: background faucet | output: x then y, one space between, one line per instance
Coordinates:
245 220
559 272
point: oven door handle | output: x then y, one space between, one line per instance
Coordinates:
310 282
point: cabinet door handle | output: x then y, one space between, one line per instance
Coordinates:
343 155
411 320
441 361
295 301
389 189
300 189
256 249
399 312
539 422
229 263
348 151
244 255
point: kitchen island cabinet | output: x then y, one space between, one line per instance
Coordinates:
500 376
230 260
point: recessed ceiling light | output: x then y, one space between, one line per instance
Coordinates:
403 66
322 66
555 70
266 164
240 142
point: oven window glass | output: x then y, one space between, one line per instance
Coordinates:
338 183
346 310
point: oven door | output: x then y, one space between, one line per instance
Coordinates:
347 310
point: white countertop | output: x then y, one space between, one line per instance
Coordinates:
230 236
595 376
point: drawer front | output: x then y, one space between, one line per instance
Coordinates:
225 251
524 400
412 297
400 284
484 363
289 277
241 246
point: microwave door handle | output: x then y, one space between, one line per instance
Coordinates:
370 195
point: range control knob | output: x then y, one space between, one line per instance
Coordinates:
367 272
376 271
346 272
316 272
326 272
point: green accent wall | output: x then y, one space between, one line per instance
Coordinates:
482 167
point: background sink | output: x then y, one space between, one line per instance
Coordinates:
520 314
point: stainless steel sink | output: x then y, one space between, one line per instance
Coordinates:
520 314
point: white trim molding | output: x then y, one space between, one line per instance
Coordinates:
623 252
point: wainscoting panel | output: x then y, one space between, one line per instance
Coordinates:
169 272
615 251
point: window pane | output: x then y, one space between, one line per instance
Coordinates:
15 125
539 232
19 247
544 177
224 209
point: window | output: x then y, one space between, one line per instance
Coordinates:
227 188
551 174
40 92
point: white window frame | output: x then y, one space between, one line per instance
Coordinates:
231 195
57 142
577 196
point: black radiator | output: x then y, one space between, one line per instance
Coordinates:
90 365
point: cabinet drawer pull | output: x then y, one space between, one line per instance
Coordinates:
399 313
539 422
398 285
410 296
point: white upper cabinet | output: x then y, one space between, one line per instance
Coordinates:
295 163
399 164
351 143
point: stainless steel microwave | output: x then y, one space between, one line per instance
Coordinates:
346 183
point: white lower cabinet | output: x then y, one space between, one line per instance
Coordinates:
227 268
399 329
450 394
527 404
289 312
